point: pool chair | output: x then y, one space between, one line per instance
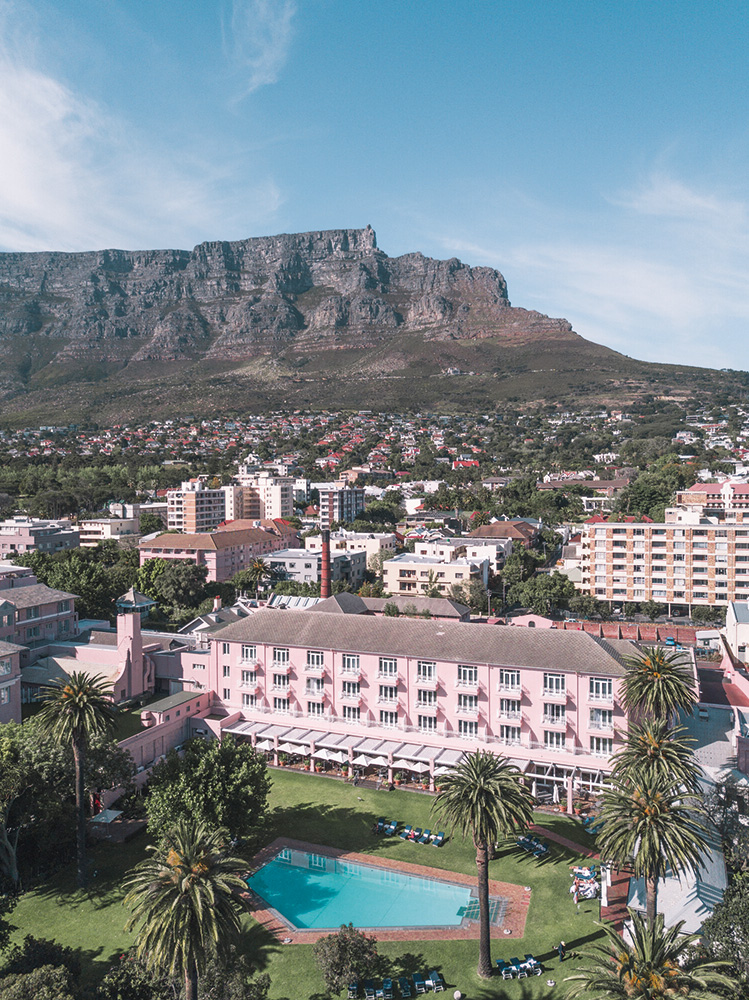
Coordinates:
421 986
439 840
438 983
504 968
424 838
405 833
380 824
387 989
369 989
404 986
517 968
541 851
532 965
593 830
415 834
391 828
525 842
353 990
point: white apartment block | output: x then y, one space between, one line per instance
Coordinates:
101 529
414 574
340 503
304 566
372 544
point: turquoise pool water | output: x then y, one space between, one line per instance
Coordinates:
312 891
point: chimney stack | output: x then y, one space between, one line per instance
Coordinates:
325 565
217 603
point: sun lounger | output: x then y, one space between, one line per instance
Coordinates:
532 965
516 967
387 989
595 829
391 828
424 838
404 834
369 989
504 968
438 983
353 990
541 851
380 824
421 986
404 986
439 840
415 834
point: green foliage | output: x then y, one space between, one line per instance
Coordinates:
37 952
7 904
150 523
708 616
544 593
133 980
658 683
589 607
391 610
657 749
223 784
726 930
343 957
46 983
652 609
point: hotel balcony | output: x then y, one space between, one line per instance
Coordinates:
280 668
428 684
467 713
553 695
464 685
315 670
559 722
427 706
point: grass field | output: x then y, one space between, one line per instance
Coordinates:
318 810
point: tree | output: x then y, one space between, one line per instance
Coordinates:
651 824
391 610
543 592
652 609
147 577
223 783
182 584
482 797
653 962
344 957
72 712
709 616
653 747
658 683
186 901
726 930
150 523
253 576
45 983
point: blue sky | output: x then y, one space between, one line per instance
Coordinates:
595 153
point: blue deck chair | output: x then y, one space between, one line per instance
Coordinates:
504 968
405 832
353 990
515 965
424 838
369 989
421 986
380 824
438 983
439 840
532 964
391 828
387 989
404 986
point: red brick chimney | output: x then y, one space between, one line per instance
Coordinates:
325 565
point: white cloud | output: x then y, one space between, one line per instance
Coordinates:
261 34
74 176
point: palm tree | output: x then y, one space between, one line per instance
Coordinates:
658 683
651 825
483 797
656 747
257 571
186 901
73 711
657 963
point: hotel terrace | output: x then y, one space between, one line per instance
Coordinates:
416 694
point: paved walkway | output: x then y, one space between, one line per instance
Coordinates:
618 893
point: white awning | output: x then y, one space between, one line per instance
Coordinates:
362 760
289 748
322 755
450 757
410 750
412 765
379 761
264 745
441 769
338 756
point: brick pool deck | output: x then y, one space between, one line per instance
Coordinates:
518 900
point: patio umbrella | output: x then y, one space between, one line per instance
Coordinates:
337 756
264 745
323 755
288 748
362 760
441 769
555 793
106 816
415 765
379 761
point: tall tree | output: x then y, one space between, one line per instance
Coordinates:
482 797
658 749
658 683
187 900
73 711
654 962
651 825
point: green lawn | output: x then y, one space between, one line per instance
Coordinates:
316 809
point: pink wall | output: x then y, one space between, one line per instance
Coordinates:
10 686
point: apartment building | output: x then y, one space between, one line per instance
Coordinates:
413 690
223 553
101 529
374 544
10 682
195 507
267 496
304 566
33 615
33 534
340 503
408 573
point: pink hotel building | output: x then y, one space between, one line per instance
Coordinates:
415 694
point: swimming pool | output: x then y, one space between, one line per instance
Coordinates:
315 892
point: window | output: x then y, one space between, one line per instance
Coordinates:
467 676
280 704
388 667
554 715
467 728
227 670
315 708
468 703
63 606
509 734
350 689
389 719
33 632
5 666
601 746
350 663
601 718
555 684
554 741
427 724
388 693
426 698
4 696
314 658
350 713
281 681
225 648
249 653
426 671
315 686
509 680
280 656
248 700
601 689
509 708
227 694
32 613
249 678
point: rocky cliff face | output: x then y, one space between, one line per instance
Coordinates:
236 301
